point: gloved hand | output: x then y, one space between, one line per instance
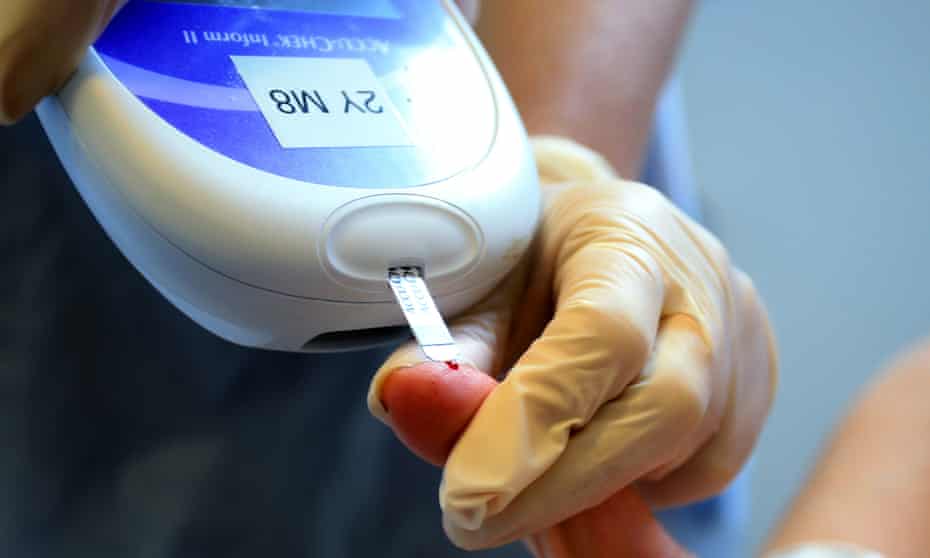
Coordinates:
41 43
620 527
630 351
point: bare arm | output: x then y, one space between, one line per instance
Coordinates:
872 487
590 70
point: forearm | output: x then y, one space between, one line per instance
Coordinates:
590 70
872 488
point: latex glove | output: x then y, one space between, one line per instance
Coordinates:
632 351
41 43
620 527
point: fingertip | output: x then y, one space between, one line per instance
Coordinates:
430 404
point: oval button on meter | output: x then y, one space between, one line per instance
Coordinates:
364 238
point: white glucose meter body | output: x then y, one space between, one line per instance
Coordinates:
263 163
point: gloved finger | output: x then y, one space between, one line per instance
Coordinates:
562 166
749 398
431 404
695 354
715 273
607 308
626 438
41 44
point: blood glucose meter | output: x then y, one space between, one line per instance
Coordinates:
265 163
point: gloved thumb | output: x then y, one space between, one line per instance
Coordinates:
429 405
41 44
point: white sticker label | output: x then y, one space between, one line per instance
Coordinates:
322 102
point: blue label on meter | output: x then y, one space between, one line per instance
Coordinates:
360 93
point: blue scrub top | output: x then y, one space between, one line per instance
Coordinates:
129 431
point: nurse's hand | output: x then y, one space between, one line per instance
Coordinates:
631 351
620 527
41 43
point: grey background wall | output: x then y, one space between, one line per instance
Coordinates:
810 125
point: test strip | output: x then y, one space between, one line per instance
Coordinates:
424 318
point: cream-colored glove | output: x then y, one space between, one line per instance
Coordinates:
632 351
41 43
